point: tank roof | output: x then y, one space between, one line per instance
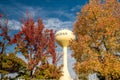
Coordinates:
64 36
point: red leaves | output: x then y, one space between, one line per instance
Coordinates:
39 42
1 15
36 44
32 63
40 25
52 46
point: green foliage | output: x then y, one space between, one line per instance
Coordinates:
11 63
48 71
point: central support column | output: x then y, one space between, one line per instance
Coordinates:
66 75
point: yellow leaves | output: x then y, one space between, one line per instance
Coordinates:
48 71
109 66
90 64
7 64
4 72
11 63
98 37
111 1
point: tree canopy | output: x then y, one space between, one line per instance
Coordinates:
97 45
37 44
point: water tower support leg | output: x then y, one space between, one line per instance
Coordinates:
66 75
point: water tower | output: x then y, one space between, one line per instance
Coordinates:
63 38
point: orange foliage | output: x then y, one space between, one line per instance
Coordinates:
97 42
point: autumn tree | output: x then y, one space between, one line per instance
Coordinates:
9 62
37 45
97 45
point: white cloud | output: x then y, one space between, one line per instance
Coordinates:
56 24
77 7
35 12
63 13
14 25
50 23
31 11
42 12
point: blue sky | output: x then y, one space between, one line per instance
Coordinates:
56 14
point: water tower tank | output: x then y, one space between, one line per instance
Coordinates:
63 37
